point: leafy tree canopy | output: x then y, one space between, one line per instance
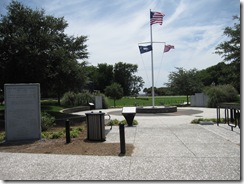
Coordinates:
114 91
124 75
184 82
34 48
230 49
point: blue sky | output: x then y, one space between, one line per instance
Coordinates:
115 27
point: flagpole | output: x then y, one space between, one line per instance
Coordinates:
152 63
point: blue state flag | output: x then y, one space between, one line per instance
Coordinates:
144 49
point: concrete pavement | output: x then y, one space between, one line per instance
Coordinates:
167 147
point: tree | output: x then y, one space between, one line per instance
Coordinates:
162 91
105 76
114 91
35 49
219 74
230 50
92 73
183 82
123 74
99 77
148 91
136 85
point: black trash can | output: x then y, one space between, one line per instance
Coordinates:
95 126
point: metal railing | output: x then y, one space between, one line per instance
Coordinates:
232 114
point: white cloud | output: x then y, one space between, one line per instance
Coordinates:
180 9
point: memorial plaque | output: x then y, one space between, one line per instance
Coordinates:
129 114
22 112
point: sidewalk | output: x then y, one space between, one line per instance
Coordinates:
166 148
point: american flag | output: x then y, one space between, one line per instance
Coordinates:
168 47
156 18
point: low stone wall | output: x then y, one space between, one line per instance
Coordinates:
76 109
73 118
166 109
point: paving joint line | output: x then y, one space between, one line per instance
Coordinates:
195 156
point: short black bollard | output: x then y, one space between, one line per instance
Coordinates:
67 129
122 138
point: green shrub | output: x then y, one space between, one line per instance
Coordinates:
116 122
71 99
113 122
135 122
83 98
44 135
2 136
56 135
104 101
221 93
48 135
47 121
214 120
75 132
68 99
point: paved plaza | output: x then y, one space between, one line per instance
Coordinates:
167 147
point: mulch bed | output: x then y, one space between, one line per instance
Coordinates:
78 146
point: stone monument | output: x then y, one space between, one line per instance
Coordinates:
98 102
199 100
22 112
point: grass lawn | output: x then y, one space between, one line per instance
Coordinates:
147 101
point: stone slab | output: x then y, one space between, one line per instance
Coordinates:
22 112
98 102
